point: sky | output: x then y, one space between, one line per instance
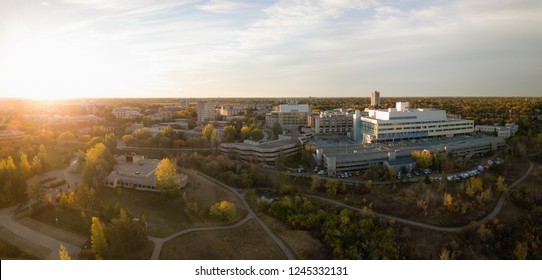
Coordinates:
344 48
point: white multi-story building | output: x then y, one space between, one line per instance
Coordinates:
126 112
336 121
510 129
288 116
206 111
404 123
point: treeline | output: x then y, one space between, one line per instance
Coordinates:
347 234
234 173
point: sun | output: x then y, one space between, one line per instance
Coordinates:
47 69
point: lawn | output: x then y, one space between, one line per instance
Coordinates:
164 215
246 242
68 219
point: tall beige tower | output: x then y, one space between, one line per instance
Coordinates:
375 98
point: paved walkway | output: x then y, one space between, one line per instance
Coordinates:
159 242
491 215
32 241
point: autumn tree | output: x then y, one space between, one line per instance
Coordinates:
209 133
97 237
35 191
501 184
124 236
98 162
331 186
36 166
166 178
63 253
223 210
26 168
84 197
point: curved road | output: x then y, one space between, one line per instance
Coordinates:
159 242
48 246
487 218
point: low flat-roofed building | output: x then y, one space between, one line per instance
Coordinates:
126 112
510 129
341 158
137 172
10 134
266 152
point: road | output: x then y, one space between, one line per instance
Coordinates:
491 215
44 246
158 242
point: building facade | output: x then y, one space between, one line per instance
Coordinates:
267 152
510 129
288 116
403 123
126 112
206 111
137 172
375 98
331 122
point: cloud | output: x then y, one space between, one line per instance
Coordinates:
219 6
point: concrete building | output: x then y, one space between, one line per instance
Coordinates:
266 152
206 111
402 123
231 110
137 172
375 98
336 121
344 158
126 112
510 129
288 116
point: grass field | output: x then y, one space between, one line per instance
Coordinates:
68 219
246 242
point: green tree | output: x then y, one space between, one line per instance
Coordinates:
331 186
316 182
124 236
63 253
230 134
166 177
223 210
42 154
97 237
84 197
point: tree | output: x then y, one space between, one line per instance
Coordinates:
331 186
209 133
84 197
66 136
125 236
98 163
128 139
448 201
63 253
501 184
25 165
166 177
42 154
230 134
35 191
97 237
36 167
224 210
